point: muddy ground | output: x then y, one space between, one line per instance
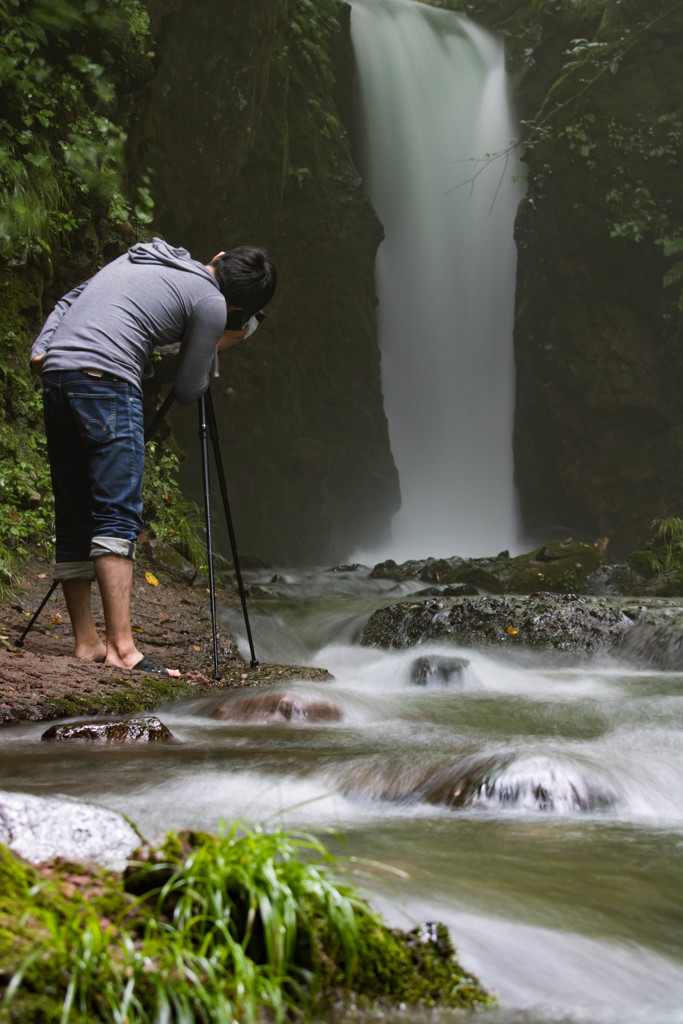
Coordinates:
172 623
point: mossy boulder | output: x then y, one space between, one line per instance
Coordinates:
560 567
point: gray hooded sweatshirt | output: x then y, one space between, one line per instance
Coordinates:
152 295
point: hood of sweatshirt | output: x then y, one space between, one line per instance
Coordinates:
159 251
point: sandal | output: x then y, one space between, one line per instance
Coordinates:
150 666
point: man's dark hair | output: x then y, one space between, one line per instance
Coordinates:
246 277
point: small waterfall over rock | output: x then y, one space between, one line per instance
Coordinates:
432 100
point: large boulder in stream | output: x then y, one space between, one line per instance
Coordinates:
147 729
279 707
560 622
40 828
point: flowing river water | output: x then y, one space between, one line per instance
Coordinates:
567 914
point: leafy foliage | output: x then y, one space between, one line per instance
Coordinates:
58 142
633 155
666 546
305 59
237 927
26 507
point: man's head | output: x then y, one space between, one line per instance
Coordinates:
246 277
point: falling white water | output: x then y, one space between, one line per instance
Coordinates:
433 100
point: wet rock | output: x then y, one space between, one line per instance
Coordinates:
279 707
387 570
352 567
476 576
41 828
525 784
612 580
429 570
126 730
461 590
435 670
541 621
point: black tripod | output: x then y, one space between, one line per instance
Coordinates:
207 430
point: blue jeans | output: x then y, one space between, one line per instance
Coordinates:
96 447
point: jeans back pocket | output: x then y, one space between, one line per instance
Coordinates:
96 416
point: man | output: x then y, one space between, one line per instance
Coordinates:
93 353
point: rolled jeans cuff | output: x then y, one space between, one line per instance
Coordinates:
112 546
73 571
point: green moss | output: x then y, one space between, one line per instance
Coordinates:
148 693
561 567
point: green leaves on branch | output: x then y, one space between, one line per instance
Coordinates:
58 141
632 152
666 546
312 27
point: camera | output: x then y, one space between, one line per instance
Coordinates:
238 319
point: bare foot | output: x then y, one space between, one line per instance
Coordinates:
90 652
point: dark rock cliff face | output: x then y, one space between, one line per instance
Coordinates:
245 144
599 421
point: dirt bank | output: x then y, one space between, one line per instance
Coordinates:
172 623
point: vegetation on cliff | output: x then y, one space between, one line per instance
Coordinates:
208 928
68 203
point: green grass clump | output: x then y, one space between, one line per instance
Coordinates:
238 927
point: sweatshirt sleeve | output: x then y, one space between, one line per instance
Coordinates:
42 342
198 347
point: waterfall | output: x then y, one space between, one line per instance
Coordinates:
433 99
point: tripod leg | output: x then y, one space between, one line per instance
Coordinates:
213 430
203 435
20 641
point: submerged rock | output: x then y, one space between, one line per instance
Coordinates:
526 784
541 621
502 781
125 730
279 707
436 669
41 828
